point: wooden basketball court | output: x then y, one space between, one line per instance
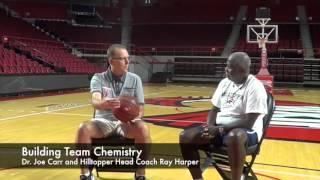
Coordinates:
290 152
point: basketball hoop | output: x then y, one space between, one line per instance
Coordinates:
267 32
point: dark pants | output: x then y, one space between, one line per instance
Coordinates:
191 142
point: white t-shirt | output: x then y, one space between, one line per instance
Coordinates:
235 100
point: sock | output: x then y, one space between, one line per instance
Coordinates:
86 174
137 175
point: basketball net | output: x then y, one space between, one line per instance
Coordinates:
264 57
262 43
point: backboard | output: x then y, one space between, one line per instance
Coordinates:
267 32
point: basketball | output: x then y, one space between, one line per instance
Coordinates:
128 110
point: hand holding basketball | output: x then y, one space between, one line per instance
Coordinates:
110 103
129 109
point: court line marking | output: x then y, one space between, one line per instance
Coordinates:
155 93
44 112
70 114
170 120
154 119
75 114
287 173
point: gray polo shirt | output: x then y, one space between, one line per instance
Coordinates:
128 85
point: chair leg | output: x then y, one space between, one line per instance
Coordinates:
253 174
97 172
249 173
207 162
210 161
222 172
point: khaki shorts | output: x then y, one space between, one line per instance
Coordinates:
108 127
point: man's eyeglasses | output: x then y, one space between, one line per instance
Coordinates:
122 58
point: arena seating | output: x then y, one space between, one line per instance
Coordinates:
190 14
277 11
11 26
312 11
56 54
314 30
86 39
39 45
39 10
71 33
169 28
181 18
283 70
110 14
13 63
182 37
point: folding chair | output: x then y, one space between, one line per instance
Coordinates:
111 141
219 157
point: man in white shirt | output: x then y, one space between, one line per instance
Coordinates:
235 120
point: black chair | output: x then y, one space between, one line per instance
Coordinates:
112 141
219 157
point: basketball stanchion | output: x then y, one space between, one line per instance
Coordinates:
263 34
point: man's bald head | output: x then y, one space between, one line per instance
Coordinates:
238 67
241 60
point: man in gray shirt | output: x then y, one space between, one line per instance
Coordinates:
106 87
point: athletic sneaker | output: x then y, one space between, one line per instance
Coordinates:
140 178
84 177
242 177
